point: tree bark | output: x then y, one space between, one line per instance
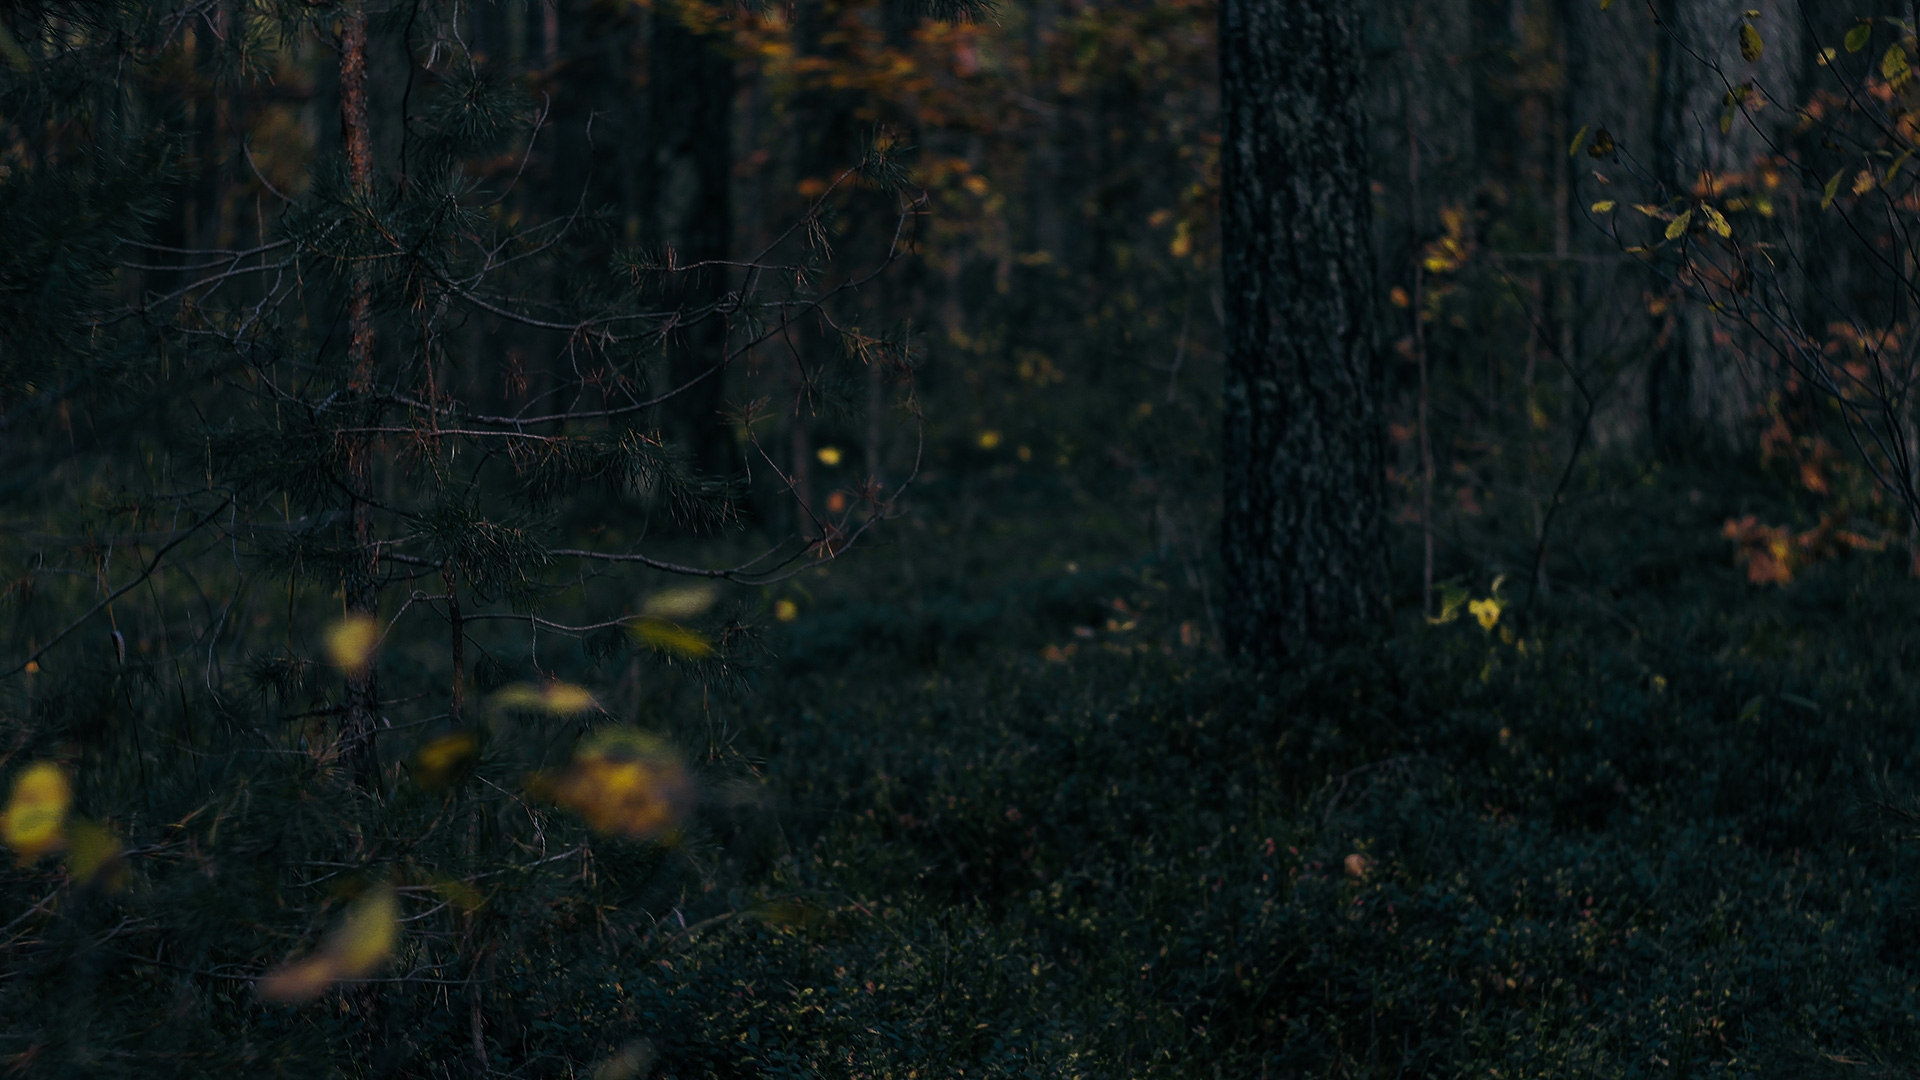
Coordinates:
361 584
1700 396
1304 534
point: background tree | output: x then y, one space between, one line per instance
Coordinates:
1303 532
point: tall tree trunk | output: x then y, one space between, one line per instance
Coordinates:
691 84
1304 536
361 582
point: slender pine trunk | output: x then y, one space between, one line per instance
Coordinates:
361 583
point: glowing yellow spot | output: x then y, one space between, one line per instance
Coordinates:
350 642
1182 243
34 822
786 610
565 699
93 856
561 699
357 947
1486 611
682 603
828 455
663 636
365 939
989 439
621 781
440 761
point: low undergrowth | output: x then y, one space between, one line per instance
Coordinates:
1586 851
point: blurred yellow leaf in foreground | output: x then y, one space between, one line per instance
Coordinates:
440 761
350 642
671 639
355 949
621 781
93 856
1486 611
559 698
35 819
679 603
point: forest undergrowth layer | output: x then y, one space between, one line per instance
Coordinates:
1665 830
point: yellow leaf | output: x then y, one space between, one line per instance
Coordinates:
1858 37
34 821
440 761
1894 66
518 696
988 440
559 698
1649 209
1486 612
93 856
1602 144
566 699
621 781
1832 189
1750 44
786 610
1181 245
357 947
1605 4
668 638
828 455
366 937
1451 597
1863 182
350 642
1604 206
297 980
459 894
1578 140
1678 226
683 603
1716 221
1893 170
1826 56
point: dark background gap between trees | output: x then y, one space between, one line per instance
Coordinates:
991 802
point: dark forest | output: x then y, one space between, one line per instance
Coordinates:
959 538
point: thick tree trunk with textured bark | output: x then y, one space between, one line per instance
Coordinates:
1304 535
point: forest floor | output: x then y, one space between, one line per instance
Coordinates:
1030 827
